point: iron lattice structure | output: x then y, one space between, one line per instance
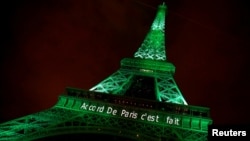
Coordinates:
149 60
80 111
140 101
153 46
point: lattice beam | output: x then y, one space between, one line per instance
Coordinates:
168 91
117 83
85 122
153 46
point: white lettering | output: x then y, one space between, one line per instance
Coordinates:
176 121
92 108
84 106
243 133
170 120
216 132
125 113
100 109
129 114
143 115
151 118
111 111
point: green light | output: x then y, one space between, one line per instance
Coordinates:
123 103
153 46
150 61
133 113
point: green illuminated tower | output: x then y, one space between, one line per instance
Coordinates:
140 101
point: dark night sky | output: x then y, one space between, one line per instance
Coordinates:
49 45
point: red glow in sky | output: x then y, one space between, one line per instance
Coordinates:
49 45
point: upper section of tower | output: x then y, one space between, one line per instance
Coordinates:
159 21
153 46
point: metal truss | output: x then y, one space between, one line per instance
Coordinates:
168 91
23 128
153 46
68 117
65 119
151 62
117 83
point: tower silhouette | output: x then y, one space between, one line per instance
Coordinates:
140 101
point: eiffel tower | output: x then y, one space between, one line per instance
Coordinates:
140 101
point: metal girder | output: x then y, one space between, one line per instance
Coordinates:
168 91
117 83
153 46
168 117
65 119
